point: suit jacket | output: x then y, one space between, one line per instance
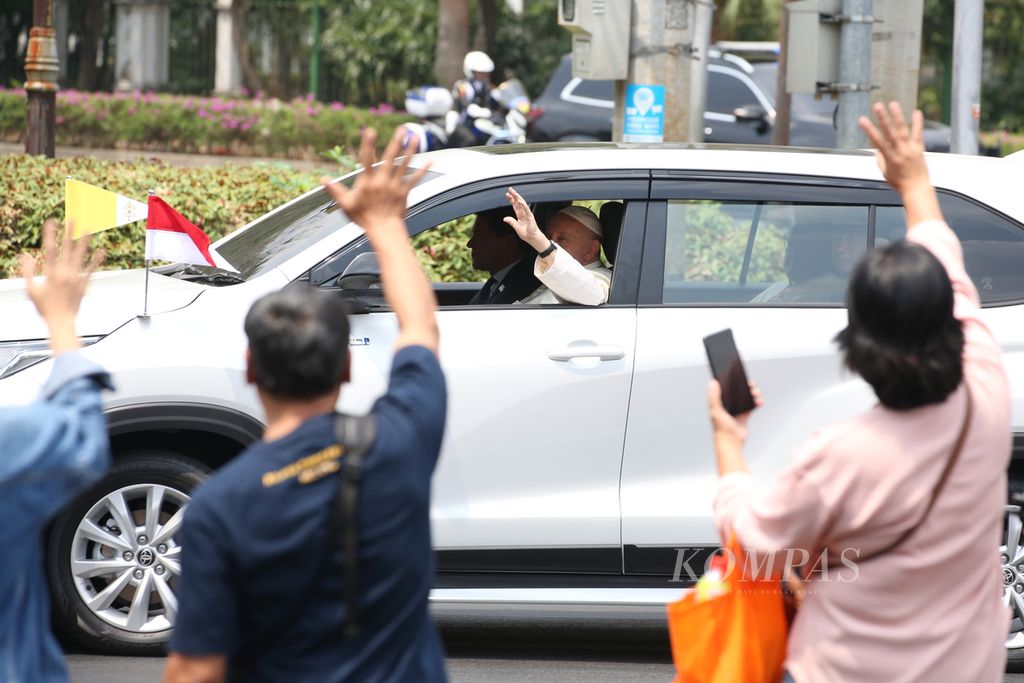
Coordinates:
517 284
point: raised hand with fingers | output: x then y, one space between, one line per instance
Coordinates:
378 197
901 159
524 223
66 274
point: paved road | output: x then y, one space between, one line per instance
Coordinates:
173 158
507 645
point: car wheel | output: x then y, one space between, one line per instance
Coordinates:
1011 555
113 554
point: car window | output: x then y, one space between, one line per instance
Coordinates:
596 90
993 246
280 235
767 253
726 93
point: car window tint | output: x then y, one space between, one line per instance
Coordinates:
726 93
761 252
993 246
597 90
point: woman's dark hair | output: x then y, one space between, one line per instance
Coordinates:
298 338
902 337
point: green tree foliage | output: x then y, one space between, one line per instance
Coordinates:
1002 91
378 49
529 47
747 19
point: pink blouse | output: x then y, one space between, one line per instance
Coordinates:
931 610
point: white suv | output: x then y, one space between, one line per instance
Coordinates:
577 464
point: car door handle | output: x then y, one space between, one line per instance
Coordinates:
567 353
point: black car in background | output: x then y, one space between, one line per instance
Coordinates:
740 108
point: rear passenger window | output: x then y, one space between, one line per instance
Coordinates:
993 246
762 253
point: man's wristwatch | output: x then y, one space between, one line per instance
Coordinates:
548 251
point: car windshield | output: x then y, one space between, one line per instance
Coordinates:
803 105
280 235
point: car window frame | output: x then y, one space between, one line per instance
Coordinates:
747 188
630 185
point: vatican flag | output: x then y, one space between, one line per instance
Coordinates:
90 209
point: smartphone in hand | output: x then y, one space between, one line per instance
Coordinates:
727 368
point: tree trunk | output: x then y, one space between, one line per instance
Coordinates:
487 28
250 77
452 40
92 32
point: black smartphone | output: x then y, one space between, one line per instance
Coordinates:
727 368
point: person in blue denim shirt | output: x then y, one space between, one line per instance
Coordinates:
49 451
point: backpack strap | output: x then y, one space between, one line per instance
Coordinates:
950 463
356 435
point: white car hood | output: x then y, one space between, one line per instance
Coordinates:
113 298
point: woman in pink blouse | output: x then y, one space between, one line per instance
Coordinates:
911 587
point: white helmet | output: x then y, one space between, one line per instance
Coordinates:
476 61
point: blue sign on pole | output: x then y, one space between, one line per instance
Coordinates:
645 113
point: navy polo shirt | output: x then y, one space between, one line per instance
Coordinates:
254 533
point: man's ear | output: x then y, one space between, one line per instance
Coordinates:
250 371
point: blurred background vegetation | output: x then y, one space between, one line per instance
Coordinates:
373 50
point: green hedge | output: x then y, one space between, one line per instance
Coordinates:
206 125
217 199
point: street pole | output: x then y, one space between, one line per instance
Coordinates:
896 51
780 134
967 39
314 61
41 70
663 45
854 72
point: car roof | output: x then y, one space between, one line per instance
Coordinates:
989 180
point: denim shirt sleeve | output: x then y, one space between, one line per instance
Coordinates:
54 447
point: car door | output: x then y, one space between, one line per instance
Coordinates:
760 257
529 470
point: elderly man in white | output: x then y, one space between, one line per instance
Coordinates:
568 257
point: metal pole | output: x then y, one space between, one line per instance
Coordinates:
780 134
854 72
967 39
314 61
42 67
702 21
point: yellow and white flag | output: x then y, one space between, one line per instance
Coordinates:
91 209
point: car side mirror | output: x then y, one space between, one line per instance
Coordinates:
360 284
753 113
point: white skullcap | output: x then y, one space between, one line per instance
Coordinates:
585 216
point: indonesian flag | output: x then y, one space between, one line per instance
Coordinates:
171 237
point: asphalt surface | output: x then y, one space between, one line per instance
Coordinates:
511 644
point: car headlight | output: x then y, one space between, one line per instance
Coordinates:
16 356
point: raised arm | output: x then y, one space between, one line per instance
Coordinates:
900 156
377 203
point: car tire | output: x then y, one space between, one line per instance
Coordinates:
1014 525
96 570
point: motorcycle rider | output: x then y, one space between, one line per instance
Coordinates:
472 97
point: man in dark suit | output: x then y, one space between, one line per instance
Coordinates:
498 250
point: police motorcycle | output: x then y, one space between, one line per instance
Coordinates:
431 105
502 122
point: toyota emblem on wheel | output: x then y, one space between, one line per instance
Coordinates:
146 557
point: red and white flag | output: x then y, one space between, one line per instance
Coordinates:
172 237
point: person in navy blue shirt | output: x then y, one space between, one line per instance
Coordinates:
50 451
253 535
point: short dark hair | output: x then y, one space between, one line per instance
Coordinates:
495 219
298 338
902 336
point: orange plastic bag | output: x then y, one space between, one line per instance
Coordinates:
738 636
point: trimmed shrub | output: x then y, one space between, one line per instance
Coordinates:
300 129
